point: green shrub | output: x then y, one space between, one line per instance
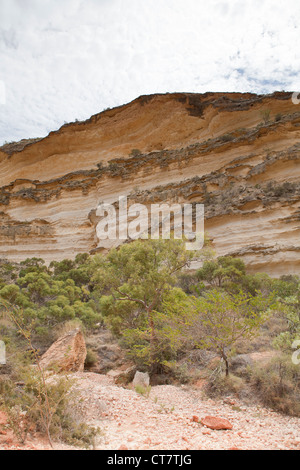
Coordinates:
179 372
277 384
34 400
218 385
221 271
27 405
138 276
144 391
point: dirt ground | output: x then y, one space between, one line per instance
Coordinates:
168 419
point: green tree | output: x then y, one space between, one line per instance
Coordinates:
170 338
218 272
47 301
136 276
289 308
221 319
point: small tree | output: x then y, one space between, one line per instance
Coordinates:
221 319
289 308
170 332
219 271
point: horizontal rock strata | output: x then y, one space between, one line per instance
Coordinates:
236 153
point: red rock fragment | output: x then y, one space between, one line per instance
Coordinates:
215 423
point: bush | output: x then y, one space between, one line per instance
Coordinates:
144 391
277 385
180 372
188 282
221 271
35 401
31 406
218 385
226 137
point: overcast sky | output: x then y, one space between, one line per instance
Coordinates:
62 60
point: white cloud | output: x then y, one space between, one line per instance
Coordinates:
2 93
67 59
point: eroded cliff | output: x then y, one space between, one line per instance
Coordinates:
236 153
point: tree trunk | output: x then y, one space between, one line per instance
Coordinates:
152 339
224 356
227 367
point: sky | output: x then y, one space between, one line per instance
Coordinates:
62 60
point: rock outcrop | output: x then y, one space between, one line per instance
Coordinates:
67 354
236 153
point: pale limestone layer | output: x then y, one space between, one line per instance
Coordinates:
213 149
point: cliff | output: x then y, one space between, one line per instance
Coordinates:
236 153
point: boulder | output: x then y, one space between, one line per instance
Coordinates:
141 379
67 354
123 375
215 423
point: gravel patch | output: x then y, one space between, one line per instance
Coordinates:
169 419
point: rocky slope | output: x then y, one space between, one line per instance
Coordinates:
170 418
236 153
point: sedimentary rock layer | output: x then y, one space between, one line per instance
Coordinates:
236 153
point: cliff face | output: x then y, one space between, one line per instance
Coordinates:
236 153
